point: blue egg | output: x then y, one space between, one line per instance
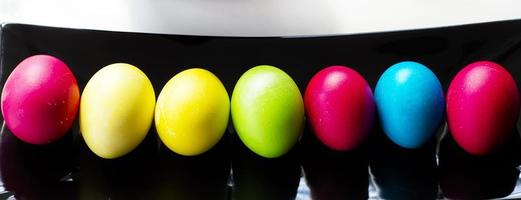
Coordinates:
410 103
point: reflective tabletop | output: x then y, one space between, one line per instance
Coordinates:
379 169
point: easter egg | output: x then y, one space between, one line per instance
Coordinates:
482 107
410 102
340 107
267 111
116 110
192 112
40 100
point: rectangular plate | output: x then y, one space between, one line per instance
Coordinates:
67 169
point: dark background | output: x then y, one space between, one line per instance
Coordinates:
68 170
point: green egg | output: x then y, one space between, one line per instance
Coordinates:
267 111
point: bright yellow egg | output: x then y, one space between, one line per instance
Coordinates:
192 112
116 110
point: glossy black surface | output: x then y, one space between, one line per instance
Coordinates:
68 170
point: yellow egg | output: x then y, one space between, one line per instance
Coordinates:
192 112
116 110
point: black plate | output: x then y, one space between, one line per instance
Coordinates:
68 170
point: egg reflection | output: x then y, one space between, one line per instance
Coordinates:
334 175
401 173
201 177
36 172
127 177
258 178
466 176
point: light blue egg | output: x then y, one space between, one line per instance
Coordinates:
410 103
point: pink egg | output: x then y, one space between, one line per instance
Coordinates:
40 100
340 107
482 107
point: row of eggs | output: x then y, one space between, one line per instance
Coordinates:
41 98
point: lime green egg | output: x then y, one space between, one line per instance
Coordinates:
267 111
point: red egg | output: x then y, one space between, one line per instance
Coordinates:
340 107
482 107
40 100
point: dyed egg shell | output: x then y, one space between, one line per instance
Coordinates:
340 107
40 100
410 103
482 107
267 111
116 110
192 112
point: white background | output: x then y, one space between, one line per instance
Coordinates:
256 17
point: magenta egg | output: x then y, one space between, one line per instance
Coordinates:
482 107
40 100
340 107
